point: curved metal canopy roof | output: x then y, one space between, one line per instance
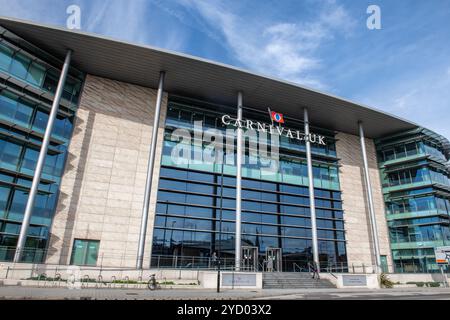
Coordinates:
203 79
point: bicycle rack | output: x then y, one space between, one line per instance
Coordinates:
57 278
139 282
39 279
56 272
127 280
85 281
99 281
113 279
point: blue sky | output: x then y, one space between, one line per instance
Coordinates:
404 68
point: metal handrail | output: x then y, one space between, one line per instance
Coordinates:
333 275
262 266
300 269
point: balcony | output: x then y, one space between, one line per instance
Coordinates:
418 244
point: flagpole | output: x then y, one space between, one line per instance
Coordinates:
270 115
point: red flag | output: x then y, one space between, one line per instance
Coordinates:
277 117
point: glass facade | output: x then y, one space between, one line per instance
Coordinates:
195 211
416 187
27 84
25 67
195 214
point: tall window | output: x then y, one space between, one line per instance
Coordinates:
19 66
36 74
19 148
5 57
85 252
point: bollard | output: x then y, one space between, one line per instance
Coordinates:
218 276
445 283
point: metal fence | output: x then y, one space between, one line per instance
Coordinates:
90 277
371 268
127 262
192 262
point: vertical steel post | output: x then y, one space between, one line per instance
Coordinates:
150 167
444 278
41 159
373 222
238 185
315 247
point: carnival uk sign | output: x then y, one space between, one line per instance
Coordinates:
273 129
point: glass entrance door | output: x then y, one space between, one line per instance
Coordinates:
249 258
273 260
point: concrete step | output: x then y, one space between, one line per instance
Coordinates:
293 286
274 274
297 285
289 280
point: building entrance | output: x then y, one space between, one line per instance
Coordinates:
273 260
249 258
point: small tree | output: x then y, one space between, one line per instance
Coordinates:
385 282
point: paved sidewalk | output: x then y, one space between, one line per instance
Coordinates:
19 292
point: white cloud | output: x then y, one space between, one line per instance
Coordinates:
121 19
277 48
43 11
286 50
402 102
424 100
131 21
117 18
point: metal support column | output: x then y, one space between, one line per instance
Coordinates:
315 247
41 159
239 151
150 167
373 222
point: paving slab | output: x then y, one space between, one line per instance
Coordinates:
20 292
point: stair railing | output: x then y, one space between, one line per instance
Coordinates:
261 266
297 267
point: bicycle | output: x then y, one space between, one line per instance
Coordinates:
152 284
